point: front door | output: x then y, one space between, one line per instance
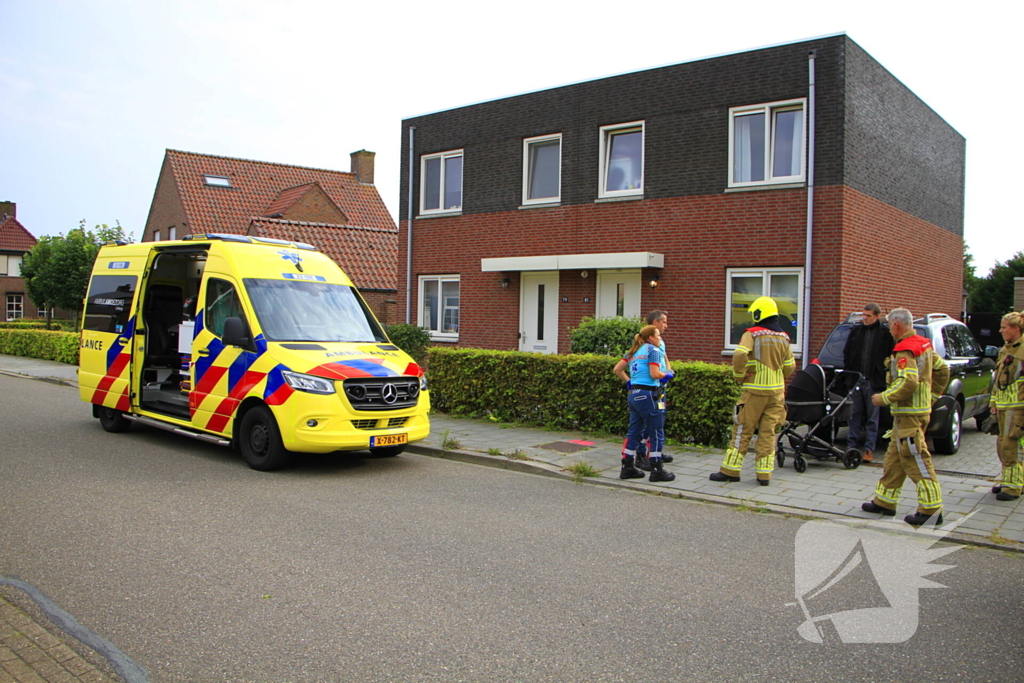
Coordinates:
538 313
618 293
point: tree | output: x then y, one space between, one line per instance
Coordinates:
40 285
994 293
971 278
59 267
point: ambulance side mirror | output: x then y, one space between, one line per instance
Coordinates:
234 333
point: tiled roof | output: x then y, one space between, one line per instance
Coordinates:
368 255
14 236
286 198
255 185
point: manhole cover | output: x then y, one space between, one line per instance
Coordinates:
564 446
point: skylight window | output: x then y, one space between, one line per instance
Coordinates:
217 180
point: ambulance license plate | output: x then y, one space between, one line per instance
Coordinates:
388 440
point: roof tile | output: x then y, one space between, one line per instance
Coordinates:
14 236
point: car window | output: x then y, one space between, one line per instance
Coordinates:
832 352
953 342
970 346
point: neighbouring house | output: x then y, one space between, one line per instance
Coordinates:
687 188
340 213
15 241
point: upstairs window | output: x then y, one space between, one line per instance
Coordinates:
441 182
622 160
766 143
542 169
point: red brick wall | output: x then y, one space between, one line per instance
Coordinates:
315 207
383 306
166 210
700 237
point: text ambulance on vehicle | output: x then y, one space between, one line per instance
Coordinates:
261 344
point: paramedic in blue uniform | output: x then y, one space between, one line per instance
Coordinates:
646 405
659 319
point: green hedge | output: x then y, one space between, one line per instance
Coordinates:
577 392
45 344
410 338
37 324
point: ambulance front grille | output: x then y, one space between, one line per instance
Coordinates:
372 424
382 393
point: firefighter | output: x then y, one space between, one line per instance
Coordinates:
762 362
1007 405
916 376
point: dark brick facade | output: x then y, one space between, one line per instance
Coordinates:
874 212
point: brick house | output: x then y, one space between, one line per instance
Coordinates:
15 241
686 188
340 213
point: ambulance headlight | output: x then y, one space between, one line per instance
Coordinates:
423 383
308 383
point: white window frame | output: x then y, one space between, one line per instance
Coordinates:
11 265
770 110
443 156
14 303
527 144
172 233
421 317
765 275
156 235
217 180
606 134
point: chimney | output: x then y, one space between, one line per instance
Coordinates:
362 166
11 209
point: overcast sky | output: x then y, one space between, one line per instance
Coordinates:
93 92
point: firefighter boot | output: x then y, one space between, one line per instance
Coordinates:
642 461
871 507
628 471
658 472
718 476
919 518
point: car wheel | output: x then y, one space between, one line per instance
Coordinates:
260 440
949 442
113 420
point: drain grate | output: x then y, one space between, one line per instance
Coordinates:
563 446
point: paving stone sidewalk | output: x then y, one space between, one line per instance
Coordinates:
30 653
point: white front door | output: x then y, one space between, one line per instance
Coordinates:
538 313
618 293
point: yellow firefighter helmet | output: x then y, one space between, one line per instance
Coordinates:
763 307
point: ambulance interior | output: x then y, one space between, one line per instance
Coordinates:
168 315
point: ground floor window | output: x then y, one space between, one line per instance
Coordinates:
743 285
15 306
439 305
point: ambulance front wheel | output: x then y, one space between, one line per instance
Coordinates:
113 420
260 440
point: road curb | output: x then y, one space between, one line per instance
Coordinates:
49 380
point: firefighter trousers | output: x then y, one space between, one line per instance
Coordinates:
754 413
1012 476
908 456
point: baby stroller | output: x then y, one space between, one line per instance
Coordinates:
814 403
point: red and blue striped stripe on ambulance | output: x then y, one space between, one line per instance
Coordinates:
118 356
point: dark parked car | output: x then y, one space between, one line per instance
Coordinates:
970 374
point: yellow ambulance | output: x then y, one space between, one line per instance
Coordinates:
260 344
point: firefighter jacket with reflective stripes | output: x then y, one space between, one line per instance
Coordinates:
762 362
1008 379
915 373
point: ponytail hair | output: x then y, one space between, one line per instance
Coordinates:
640 339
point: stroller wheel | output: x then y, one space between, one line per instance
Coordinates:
799 464
780 457
851 459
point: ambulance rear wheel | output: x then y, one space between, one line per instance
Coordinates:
260 440
113 420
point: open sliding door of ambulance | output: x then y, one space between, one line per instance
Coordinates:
108 333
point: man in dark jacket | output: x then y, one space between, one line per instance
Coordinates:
866 349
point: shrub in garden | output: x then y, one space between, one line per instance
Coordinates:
604 336
411 339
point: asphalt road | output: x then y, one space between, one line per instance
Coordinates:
417 569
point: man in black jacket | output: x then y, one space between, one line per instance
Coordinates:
867 347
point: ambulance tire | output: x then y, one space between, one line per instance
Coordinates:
113 420
260 441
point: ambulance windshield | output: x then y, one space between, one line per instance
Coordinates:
296 310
